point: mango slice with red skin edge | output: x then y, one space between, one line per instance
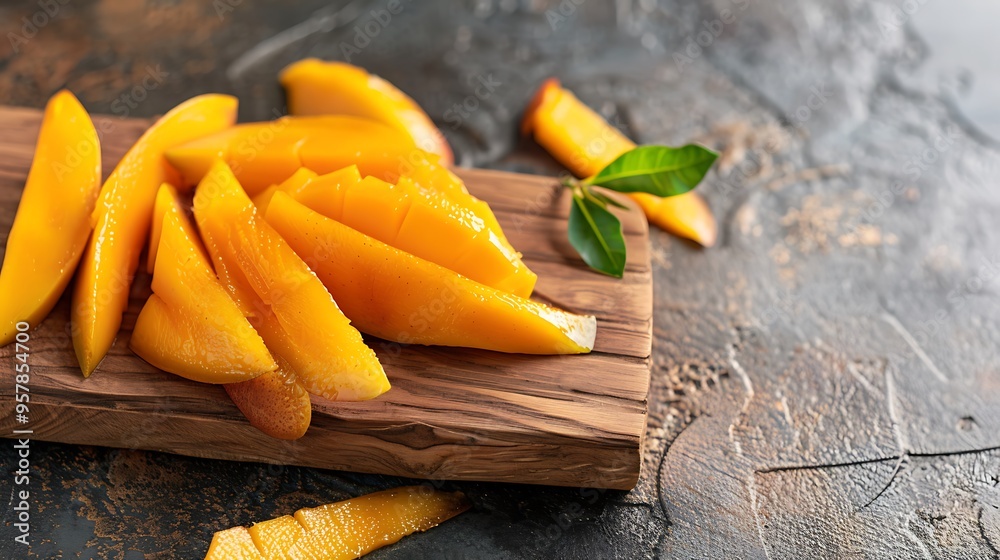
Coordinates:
342 530
316 87
275 403
53 220
397 296
234 544
190 326
585 143
281 297
423 222
262 154
122 222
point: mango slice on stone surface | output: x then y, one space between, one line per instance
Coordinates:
316 87
342 530
275 537
234 544
53 220
355 527
397 296
585 143
122 222
281 297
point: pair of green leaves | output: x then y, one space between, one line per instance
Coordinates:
663 171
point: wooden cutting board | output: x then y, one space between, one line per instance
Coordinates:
451 413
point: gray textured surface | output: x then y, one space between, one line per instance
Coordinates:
826 381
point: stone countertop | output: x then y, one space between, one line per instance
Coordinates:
826 381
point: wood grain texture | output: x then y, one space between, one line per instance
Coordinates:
451 414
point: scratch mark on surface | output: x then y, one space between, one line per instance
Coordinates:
784 468
732 438
835 465
787 411
982 532
752 489
916 539
890 399
905 334
747 384
853 370
897 430
748 387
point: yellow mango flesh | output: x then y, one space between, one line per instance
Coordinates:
274 538
167 202
122 222
234 544
190 326
292 185
283 299
266 153
275 403
53 219
585 143
315 87
342 530
397 296
353 528
423 222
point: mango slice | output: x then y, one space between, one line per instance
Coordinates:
274 538
275 403
265 153
296 183
397 296
122 221
53 219
585 143
280 295
353 528
190 326
167 202
315 87
234 544
423 222
342 530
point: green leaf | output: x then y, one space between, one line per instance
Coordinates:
596 234
604 199
659 170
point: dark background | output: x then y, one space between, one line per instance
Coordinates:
826 381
